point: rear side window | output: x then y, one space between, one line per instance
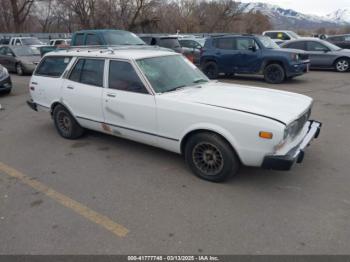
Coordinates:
225 43
297 45
79 39
88 71
53 66
272 35
92 39
122 76
169 42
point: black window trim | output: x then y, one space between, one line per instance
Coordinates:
77 58
138 71
50 56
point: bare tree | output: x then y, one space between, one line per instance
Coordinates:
20 11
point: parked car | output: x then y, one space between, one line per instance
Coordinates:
4 41
19 59
192 47
160 98
60 42
322 53
166 41
280 36
26 41
251 54
343 41
5 81
105 37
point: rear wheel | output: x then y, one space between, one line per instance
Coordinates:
211 70
342 65
210 157
274 74
65 123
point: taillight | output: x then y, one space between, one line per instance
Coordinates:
201 51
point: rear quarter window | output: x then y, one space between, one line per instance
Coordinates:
79 39
52 66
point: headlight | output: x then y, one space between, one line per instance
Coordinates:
291 130
295 57
3 73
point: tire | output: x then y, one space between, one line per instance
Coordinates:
210 157
5 92
274 74
19 69
211 70
65 123
342 65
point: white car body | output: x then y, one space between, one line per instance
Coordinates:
235 112
281 35
18 41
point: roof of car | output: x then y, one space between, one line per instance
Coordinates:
126 52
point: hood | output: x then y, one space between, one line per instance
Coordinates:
281 106
342 52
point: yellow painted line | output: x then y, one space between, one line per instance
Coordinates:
81 209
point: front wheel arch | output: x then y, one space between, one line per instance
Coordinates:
185 139
341 58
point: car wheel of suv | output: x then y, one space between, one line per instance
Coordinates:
65 123
211 70
274 74
342 65
19 69
210 157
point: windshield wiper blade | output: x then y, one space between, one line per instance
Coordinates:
176 88
201 80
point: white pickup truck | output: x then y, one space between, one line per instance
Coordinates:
160 98
26 41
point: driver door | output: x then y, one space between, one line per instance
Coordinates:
320 55
129 108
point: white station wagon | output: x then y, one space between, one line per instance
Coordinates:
159 98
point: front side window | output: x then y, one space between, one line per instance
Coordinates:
53 66
168 73
122 76
245 44
88 71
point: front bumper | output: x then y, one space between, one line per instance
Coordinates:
5 84
299 69
295 155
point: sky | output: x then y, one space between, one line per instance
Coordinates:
316 7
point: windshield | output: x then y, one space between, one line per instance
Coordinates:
31 41
122 38
294 35
26 51
331 46
267 42
168 73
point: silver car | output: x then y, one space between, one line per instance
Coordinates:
322 54
19 59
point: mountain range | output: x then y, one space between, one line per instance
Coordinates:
292 20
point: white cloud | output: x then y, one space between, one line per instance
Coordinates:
317 7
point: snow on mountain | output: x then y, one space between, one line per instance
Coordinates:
291 19
340 15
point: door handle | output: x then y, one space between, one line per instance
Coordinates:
70 87
111 95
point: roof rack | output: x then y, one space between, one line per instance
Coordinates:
112 48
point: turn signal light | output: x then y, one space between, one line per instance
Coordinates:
265 135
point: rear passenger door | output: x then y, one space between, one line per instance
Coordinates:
226 54
45 83
129 108
82 91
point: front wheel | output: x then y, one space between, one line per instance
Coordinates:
65 123
210 157
274 74
342 65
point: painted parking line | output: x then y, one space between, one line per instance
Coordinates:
77 207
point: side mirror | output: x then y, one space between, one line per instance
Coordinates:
252 48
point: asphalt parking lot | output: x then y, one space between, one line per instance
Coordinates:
105 195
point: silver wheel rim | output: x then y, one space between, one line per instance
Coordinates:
208 158
342 65
64 122
19 69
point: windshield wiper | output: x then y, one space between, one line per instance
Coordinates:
175 88
201 80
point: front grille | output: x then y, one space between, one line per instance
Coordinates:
300 122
